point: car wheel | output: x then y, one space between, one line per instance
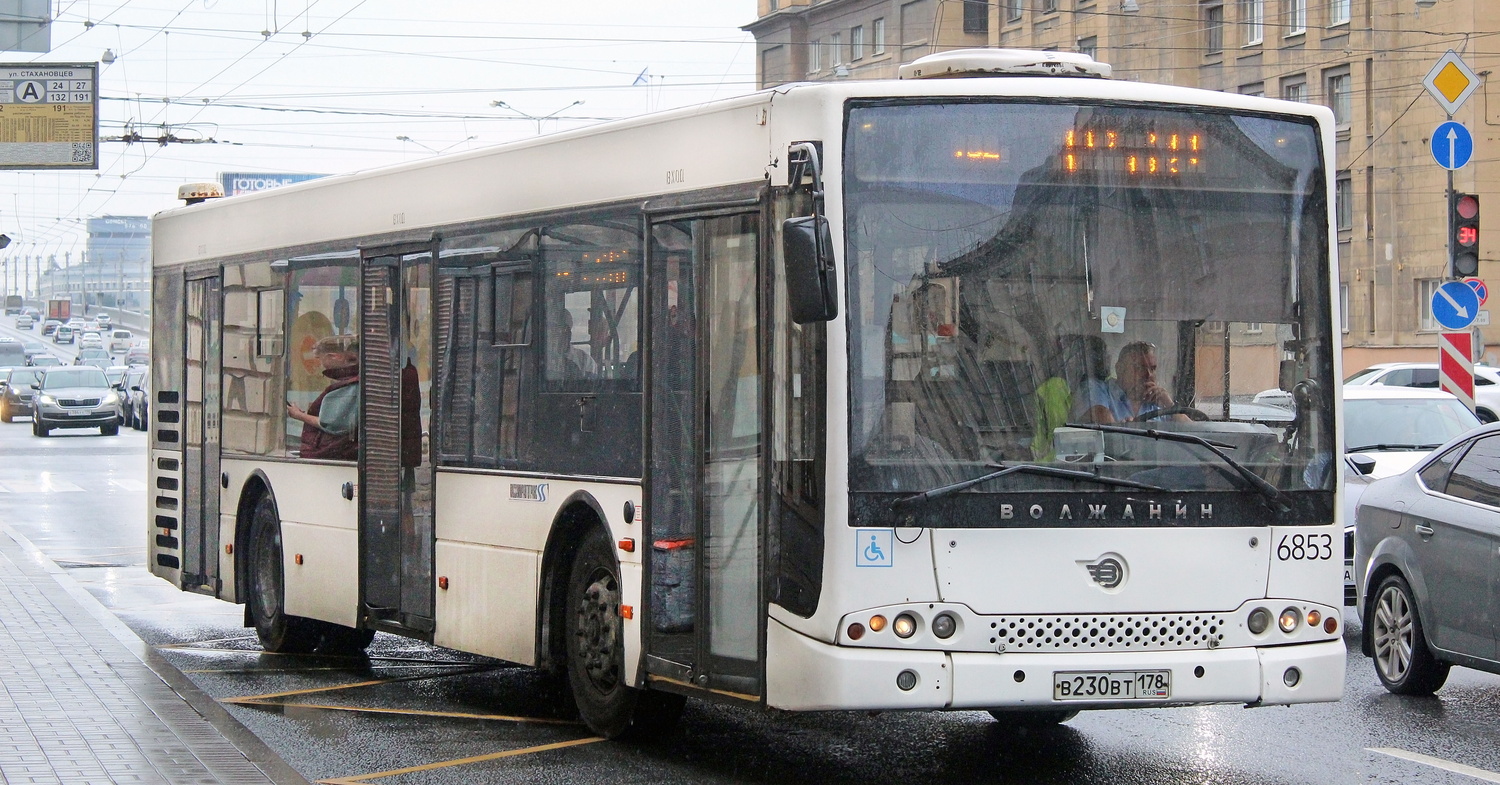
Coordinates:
37 429
596 651
1485 415
277 630
1402 660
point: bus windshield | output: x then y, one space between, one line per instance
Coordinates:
1057 284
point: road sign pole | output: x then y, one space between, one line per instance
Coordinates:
1448 199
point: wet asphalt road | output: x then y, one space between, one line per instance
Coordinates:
413 714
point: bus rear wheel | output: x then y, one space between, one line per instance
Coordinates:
277 630
595 651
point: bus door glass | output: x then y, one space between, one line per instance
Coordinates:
704 512
396 478
200 493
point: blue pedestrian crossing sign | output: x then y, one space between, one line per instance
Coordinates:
1452 145
1455 305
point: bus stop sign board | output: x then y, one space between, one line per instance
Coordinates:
49 116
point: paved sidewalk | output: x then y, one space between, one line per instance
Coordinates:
84 700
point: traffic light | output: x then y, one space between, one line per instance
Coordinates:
1463 234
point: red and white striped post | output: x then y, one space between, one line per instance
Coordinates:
1456 365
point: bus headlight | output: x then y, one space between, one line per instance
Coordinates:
1259 620
905 625
944 625
1289 620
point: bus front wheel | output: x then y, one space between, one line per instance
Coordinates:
277 630
595 641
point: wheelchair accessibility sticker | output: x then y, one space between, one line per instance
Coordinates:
874 548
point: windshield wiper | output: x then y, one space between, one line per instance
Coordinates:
1388 447
1022 468
1266 489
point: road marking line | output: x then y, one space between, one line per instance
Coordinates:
371 683
1437 763
358 779
412 712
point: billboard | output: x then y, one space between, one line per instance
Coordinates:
236 183
49 116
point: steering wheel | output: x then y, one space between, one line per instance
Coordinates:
1195 415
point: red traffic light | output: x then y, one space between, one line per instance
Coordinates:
1467 206
1467 236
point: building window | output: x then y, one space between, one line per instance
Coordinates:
1254 328
1252 21
856 42
815 56
1340 89
1213 27
1426 288
1343 201
1338 12
1089 46
1049 6
1012 10
1294 88
877 37
976 16
1257 89
836 49
1296 17
1344 307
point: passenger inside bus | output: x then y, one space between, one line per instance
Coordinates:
564 359
330 423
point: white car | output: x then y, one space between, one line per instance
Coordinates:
1425 375
90 340
1387 430
120 341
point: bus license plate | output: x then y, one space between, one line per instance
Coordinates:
1111 685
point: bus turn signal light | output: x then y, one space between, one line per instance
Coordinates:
1330 624
877 623
628 545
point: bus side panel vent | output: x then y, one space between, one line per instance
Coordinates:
168 561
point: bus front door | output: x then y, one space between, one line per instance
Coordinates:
200 476
705 610
395 465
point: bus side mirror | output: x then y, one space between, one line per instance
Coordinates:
811 286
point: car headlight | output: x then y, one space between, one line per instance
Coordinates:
111 399
47 399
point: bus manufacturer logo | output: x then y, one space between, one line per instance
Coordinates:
528 493
1108 571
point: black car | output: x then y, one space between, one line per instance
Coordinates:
77 397
140 401
16 392
130 389
1424 558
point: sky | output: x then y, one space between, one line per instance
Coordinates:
328 86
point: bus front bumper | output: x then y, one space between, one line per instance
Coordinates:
804 674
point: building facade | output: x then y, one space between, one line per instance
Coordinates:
114 270
1365 59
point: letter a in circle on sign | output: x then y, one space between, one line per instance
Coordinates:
30 92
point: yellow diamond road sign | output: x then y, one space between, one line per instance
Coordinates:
1451 82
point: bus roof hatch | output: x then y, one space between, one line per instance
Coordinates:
1002 62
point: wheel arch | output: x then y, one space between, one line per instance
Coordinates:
256 486
580 512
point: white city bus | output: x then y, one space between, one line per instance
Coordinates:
779 400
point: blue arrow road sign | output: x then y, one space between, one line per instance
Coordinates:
1452 145
1455 305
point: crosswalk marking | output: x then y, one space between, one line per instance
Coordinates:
1437 763
42 485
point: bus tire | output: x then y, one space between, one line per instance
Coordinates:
1033 719
277 630
595 651
1404 663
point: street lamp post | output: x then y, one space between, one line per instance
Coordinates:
534 118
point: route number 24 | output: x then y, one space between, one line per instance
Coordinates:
1305 547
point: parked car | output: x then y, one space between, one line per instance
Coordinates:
75 398
1425 375
133 387
1425 553
50 326
16 392
25 322
43 361
120 341
93 356
63 334
90 340
1386 430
